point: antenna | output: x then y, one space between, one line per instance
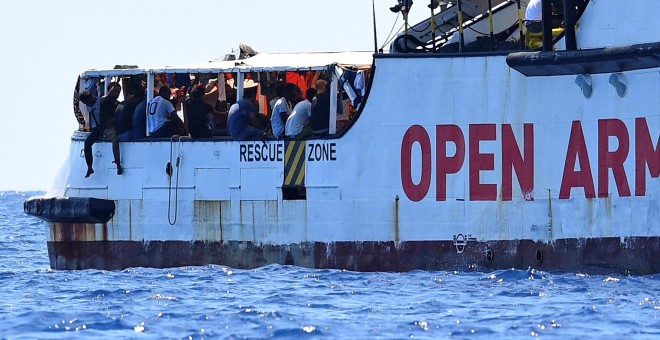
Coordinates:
373 11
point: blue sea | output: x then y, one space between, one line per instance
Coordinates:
291 302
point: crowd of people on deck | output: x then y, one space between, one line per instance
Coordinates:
294 114
205 108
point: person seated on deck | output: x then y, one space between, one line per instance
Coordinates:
297 125
279 92
282 109
243 122
320 119
163 120
139 122
198 113
125 110
101 112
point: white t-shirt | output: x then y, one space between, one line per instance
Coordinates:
158 109
299 118
534 11
276 122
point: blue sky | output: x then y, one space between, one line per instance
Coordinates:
46 44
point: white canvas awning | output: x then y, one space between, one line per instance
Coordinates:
265 62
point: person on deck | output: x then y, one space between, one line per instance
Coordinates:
297 125
279 92
282 109
243 122
140 119
101 113
320 119
198 113
533 16
125 110
161 115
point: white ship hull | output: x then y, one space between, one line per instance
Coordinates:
455 162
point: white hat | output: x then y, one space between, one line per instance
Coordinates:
247 83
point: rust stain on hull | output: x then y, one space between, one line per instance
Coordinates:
207 220
65 232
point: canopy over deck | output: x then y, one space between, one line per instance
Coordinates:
264 62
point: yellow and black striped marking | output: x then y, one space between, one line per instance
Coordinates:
294 163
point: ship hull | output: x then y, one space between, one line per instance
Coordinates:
455 162
575 179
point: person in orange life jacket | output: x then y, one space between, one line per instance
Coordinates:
101 112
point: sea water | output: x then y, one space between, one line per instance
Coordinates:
290 302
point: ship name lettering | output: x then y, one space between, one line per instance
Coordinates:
613 142
647 156
261 152
317 152
451 154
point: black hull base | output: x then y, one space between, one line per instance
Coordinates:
634 256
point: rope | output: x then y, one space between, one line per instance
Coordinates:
387 40
421 30
473 30
169 187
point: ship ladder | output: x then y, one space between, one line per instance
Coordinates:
169 170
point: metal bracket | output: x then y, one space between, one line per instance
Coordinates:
461 241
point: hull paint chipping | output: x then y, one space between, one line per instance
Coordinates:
635 256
